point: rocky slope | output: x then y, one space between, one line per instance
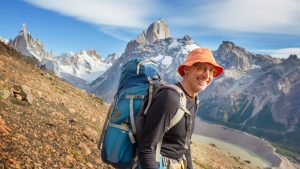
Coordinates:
47 123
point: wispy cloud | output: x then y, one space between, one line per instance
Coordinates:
214 17
120 13
115 32
263 16
280 53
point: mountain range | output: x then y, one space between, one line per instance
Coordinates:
256 93
77 68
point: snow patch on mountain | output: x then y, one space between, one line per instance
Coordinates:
4 40
164 60
254 66
87 64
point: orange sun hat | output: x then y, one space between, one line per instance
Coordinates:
200 55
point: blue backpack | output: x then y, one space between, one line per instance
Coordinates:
138 83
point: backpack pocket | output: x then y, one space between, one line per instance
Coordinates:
117 148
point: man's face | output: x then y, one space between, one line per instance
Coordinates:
199 76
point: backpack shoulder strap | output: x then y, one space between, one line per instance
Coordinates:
181 108
177 117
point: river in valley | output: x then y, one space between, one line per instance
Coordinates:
238 143
234 150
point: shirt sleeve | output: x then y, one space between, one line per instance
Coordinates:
163 107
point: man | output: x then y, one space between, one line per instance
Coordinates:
197 73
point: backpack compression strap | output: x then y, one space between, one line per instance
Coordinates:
131 113
177 117
106 123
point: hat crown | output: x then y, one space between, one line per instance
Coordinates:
200 53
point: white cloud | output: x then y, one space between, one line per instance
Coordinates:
120 13
280 53
265 16
260 16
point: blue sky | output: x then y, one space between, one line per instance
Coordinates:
260 26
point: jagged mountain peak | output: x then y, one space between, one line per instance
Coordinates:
157 30
24 29
230 46
111 58
233 56
157 34
141 38
293 57
25 44
187 38
91 53
292 62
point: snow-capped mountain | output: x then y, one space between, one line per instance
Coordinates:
86 65
256 93
25 44
167 52
77 68
29 47
111 58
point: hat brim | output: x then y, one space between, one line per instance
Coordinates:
218 68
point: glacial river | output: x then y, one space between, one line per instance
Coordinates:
238 143
234 150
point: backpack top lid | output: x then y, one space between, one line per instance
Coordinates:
138 71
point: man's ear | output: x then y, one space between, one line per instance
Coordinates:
186 69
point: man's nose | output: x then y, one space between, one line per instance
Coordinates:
208 76
206 73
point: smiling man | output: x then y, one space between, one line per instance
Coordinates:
174 151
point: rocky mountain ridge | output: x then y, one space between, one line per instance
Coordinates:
25 44
77 68
256 94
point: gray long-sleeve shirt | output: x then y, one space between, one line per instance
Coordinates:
162 109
